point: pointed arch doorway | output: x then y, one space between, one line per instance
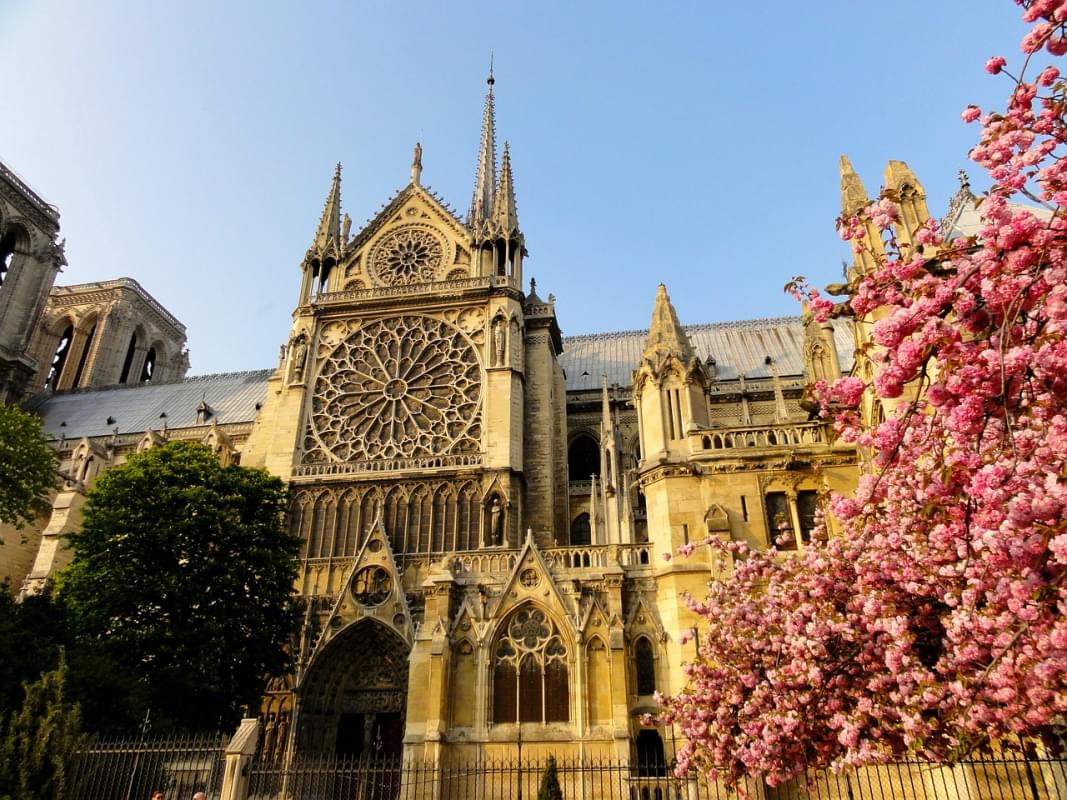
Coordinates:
354 698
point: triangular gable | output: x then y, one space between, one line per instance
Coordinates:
531 579
372 590
643 618
596 621
469 622
394 206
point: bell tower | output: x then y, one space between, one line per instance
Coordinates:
30 259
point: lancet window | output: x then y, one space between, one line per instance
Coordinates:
530 675
645 666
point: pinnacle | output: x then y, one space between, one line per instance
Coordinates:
505 212
666 337
853 195
330 224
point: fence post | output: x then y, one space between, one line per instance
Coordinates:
239 754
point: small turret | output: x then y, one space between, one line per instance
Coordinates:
668 385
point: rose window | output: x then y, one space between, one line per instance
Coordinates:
372 586
398 388
412 254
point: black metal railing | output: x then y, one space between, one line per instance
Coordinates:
338 778
132 769
180 767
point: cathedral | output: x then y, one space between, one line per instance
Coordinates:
486 506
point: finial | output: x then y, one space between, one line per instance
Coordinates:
490 80
416 164
533 285
965 181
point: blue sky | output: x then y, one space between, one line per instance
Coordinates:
191 145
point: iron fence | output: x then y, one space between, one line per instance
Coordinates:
338 778
132 769
179 767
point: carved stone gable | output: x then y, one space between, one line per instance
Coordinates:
372 590
531 579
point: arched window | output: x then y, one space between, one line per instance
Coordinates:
645 664
581 532
149 367
530 677
583 458
650 760
86 349
60 358
7 252
128 361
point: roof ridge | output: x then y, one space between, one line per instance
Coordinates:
700 326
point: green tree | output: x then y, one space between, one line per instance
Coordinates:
31 635
181 581
549 789
27 467
39 742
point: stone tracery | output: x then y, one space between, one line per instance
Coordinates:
530 676
412 254
404 387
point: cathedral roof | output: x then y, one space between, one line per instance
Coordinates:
739 348
231 397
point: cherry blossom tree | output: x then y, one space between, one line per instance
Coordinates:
935 621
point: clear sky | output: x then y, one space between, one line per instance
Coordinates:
190 145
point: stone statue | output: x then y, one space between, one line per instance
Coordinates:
300 356
500 340
496 522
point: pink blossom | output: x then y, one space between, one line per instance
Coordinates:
934 621
994 65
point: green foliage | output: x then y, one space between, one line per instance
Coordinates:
180 587
39 742
549 788
27 467
31 635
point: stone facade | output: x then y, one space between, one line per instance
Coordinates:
30 258
484 503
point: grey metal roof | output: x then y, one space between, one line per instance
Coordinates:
739 348
231 396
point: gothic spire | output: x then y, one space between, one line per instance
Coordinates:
853 195
666 336
485 175
330 224
505 213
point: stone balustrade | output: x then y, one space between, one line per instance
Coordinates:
413 289
339 468
758 436
323 576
